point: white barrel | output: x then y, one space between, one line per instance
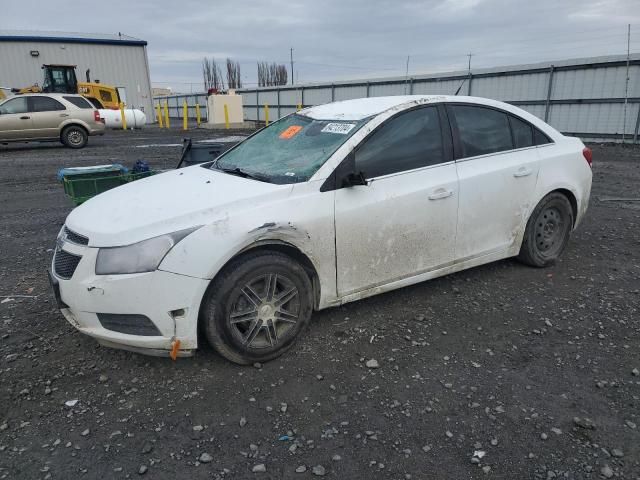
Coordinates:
112 118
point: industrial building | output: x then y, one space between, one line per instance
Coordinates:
117 60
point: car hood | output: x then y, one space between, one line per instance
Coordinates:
166 203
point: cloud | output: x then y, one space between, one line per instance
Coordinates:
338 39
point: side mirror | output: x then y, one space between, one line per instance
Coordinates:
347 175
354 178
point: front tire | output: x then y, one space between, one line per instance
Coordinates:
256 308
548 231
74 136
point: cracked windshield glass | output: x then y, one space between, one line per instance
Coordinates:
288 151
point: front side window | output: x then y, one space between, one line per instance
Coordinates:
405 142
15 105
45 104
290 150
482 130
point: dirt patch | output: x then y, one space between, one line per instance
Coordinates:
488 373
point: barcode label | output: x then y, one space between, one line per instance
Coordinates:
341 128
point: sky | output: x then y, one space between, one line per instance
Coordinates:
344 39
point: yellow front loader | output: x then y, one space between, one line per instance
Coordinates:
62 79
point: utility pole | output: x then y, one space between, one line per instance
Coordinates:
406 76
291 52
469 67
626 86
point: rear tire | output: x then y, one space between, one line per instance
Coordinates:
257 307
74 136
547 232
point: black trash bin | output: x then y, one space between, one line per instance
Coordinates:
195 153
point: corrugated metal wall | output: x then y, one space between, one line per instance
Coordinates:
578 97
120 65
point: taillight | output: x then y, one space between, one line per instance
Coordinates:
96 116
588 155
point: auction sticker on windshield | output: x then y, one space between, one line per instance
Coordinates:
342 128
290 132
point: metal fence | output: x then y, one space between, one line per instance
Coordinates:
596 99
175 105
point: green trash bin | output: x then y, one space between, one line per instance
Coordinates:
82 183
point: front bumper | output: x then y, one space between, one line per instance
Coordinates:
169 300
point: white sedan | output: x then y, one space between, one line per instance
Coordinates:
332 204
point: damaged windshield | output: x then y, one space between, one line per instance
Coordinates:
290 150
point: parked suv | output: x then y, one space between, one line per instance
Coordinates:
69 119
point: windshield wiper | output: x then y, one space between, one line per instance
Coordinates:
243 173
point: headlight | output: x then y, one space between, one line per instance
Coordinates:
140 257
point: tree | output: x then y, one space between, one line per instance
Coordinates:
271 74
233 74
212 75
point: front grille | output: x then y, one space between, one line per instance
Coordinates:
131 324
65 263
75 237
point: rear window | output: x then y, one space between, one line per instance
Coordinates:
79 102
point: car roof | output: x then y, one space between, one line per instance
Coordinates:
54 95
361 108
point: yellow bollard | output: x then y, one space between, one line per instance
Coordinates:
167 123
198 114
299 106
266 114
159 115
226 116
123 117
185 114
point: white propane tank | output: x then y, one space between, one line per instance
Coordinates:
112 119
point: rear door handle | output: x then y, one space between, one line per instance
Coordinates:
64 114
440 193
25 118
523 172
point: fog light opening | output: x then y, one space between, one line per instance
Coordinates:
179 313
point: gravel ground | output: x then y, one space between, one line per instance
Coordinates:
502 371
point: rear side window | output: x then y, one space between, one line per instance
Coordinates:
15 105
522 133
79 102
482 130
45 104
410 140
540 138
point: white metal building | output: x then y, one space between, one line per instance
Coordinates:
117 60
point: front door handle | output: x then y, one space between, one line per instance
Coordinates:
440 193
523 172
25 118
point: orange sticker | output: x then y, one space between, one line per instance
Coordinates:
290 132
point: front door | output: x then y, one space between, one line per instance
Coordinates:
47 114
498 173
403 222
15 120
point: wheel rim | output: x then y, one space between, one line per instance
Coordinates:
264 311
549 231
74 137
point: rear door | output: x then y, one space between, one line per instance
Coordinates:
15 120
497 170
403 222
47 114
